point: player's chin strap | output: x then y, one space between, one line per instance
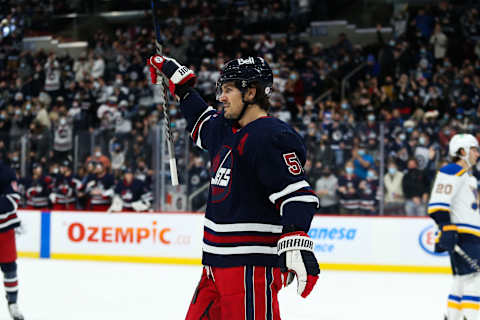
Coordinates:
465 158
245 105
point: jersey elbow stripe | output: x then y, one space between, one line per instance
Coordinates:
460 172
288 189
307 198
198 141
468 229
205 116
438 210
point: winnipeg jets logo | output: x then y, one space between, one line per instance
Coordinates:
221 173
222 176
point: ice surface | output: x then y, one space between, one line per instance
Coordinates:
81 290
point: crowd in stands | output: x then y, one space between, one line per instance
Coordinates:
418 87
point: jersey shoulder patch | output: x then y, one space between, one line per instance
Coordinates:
453 169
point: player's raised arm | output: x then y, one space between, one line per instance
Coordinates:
181 82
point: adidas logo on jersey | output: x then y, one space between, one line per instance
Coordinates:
222 177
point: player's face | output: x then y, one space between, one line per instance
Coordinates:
474 154
231 98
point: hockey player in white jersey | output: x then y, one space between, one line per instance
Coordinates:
454 207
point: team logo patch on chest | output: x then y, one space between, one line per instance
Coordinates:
220 172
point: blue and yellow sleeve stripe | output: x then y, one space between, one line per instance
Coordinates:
438 206
468 229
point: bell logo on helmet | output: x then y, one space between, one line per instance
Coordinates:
244 83
158 59
249 60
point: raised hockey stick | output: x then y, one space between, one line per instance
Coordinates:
473 263
168 131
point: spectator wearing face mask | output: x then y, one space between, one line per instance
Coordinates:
394 199
348 190
368 193
415 188
325 188
362 161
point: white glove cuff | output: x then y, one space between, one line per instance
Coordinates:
180 74
294 242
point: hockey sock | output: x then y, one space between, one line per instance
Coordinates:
10 281
471 296
454 310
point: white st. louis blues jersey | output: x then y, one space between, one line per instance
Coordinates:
454 203
454 193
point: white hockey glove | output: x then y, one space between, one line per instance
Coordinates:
180 78
296 257
20 230
53 197
90 186
140 205
117 204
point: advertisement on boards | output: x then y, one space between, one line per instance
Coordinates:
376 241
127 234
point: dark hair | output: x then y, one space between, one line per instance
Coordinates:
458 155
261 98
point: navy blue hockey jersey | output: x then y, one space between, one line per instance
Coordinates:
65 189
257 185
8 199
100 189
37 191
132 192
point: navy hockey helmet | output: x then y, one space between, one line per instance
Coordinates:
244 72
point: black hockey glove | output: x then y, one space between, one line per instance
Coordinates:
180 78
296 257
448 238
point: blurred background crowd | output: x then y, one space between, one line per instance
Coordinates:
376 117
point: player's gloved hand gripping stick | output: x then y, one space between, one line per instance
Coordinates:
295 249
180 78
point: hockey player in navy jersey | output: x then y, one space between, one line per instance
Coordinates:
131 194
99 188
65 187
260 205
454 207
38 188
8 251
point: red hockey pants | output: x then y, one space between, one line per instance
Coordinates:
237 293
8 249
